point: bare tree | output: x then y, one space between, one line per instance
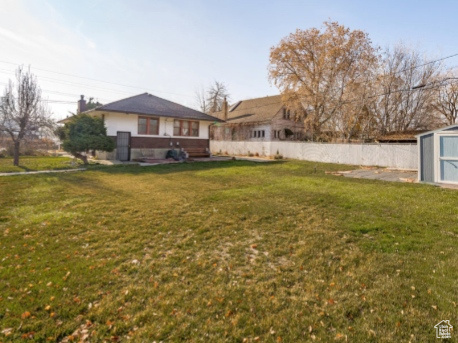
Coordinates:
210 100
201 100
22 113
216 94
446 101
397 105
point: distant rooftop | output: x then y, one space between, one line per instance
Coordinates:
253 110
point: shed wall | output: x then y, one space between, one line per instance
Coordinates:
427 158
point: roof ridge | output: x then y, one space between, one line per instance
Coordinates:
113 102
173 102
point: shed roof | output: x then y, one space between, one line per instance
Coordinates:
446 128
253 110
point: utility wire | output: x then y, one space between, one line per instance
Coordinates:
92 79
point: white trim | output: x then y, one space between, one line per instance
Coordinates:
436 131
420 160
438 157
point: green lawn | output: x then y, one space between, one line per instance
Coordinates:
34 163
225 252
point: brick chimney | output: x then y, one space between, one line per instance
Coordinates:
81 105
225 109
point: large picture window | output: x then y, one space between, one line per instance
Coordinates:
148 126
186 128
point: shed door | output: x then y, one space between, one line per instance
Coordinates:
448 159
123 146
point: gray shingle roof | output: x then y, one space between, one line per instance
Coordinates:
147 104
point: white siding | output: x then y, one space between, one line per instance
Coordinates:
129 123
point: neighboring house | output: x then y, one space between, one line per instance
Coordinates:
260 119
148 126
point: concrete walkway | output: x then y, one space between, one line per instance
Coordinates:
383 174
43 172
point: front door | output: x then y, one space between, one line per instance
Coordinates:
448 159
123 146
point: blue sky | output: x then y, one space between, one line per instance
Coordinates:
171 48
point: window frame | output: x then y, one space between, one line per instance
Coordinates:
148 133
181 121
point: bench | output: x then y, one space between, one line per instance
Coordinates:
197 152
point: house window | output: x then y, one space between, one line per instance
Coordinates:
148 126
186 128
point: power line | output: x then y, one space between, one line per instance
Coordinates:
74 95
92 79
71 83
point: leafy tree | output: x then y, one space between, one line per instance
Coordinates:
83 133
22 113
322 70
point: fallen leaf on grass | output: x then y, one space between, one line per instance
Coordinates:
7 331
28 335
25 315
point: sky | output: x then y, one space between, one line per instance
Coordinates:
112 49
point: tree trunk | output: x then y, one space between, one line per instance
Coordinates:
81 157
17 145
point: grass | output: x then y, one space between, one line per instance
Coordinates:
225 252
35 163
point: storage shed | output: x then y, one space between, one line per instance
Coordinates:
438 155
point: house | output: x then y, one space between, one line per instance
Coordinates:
148 126
438 155
260 119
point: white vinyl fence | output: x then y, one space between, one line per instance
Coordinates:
402 156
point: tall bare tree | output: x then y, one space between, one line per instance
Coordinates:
322 70
201 100
397 105
446 101
210 100
22 113
216 94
